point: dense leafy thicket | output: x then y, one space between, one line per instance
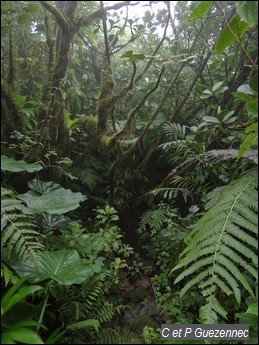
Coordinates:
129 168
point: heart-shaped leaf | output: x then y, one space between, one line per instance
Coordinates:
51 198
64 266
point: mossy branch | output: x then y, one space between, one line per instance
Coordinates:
60 18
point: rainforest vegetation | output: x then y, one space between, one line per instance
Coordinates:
129 169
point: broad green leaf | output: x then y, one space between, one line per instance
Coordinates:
226 117
55 199
64 266
22 335
243 97
211 119
5 299
201 9
231 120
29 323
252 109
223 89
7 304
208 92
245 89
6 338
86 323
43 187
253 309
253 83
248 11
252 128
217 86
205 96
228 35
12 165
249 141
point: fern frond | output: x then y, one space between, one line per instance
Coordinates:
107 310
117 336
213 196
89 301
222 248
88 176
156 219
19 236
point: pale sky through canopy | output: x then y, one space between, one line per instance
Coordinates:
142 6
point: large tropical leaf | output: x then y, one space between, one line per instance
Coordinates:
50 197
233 31
64 266
13 165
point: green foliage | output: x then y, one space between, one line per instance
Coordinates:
50 197
133 57
248 11
12 165
87 305
155 220
221 249
88 176
21 332
117 336
184 143
19 236
64 266
85 324
201 9
250 317
234 30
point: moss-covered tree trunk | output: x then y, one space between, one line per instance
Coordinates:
54 133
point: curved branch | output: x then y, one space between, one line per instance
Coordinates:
60 18
133 112
100 13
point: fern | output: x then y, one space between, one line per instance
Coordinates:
221 250
19 238
213 196
117 336
89 302
88 176
156 219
